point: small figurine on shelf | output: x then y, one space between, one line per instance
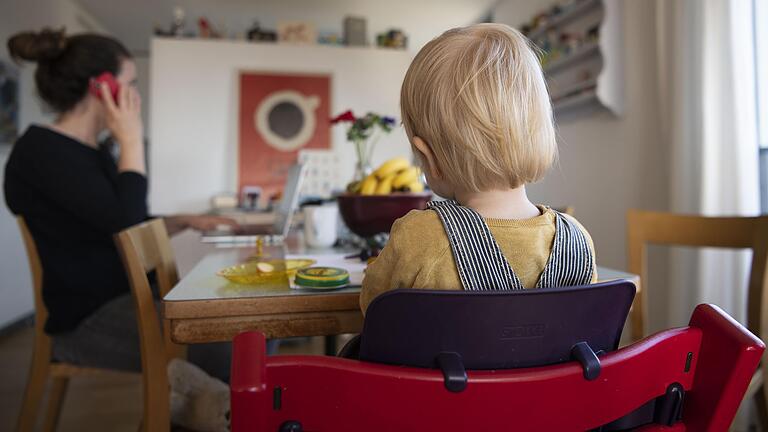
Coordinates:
392 39
205 30
330 38
177 27
256 33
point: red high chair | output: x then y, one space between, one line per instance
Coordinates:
704 369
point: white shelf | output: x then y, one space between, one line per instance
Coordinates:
592 75
567 15
574 102
574 88
585 52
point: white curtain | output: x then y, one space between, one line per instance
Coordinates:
707 94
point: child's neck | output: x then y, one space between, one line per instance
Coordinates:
500 204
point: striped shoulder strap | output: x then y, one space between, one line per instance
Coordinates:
571 261
479 259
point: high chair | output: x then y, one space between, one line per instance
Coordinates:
43 367
645 227
702 370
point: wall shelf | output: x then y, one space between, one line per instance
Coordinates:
585 52
567 15
586 44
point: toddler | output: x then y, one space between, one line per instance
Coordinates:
477 113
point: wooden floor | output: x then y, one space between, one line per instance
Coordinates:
101 403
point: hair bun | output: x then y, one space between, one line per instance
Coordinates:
40 46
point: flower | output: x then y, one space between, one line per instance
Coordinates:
363 133
346 116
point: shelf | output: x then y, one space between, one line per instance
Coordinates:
566 16
576 101
583 53
576 88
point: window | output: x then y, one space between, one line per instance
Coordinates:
761 74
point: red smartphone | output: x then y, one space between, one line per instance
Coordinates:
109 80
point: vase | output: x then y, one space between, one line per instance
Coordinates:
363 165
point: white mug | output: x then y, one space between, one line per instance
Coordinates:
320 223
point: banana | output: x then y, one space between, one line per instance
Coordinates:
354 187
369 185
385 186
406 177
391 166
415 186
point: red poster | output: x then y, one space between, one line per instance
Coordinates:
280 114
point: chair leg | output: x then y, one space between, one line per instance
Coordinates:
38 375
55 401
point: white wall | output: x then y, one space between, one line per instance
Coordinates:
194 109
607 164
15 283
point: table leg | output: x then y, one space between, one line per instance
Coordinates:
330 345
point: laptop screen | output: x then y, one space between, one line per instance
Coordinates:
287 205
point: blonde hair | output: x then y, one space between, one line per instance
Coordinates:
478 97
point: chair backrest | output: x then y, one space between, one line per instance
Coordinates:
42 340
145 248
712 360
491 330
645 227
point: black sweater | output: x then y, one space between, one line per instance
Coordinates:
74 200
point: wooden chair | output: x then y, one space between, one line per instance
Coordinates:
145 248
644 227
42 367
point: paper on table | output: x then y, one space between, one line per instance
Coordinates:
354 266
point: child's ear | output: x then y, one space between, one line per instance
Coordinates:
426 156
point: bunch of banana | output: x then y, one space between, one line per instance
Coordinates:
395 175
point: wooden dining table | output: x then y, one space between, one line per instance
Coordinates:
204 307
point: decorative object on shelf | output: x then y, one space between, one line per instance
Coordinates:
355 31
280 114
582 55
296 32
364 133
9 103
205 30
392 39
330 38
178 25
256 33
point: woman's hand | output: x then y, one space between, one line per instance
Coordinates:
124 121
176 224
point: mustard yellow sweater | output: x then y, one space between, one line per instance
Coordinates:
418 254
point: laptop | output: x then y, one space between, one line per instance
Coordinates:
276 231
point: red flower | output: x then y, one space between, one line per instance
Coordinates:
346 116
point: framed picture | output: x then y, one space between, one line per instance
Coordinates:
9 103
280 114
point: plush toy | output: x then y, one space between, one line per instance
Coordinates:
198 401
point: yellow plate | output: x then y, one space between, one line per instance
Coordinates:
268 271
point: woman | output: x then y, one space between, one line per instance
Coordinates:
74 196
